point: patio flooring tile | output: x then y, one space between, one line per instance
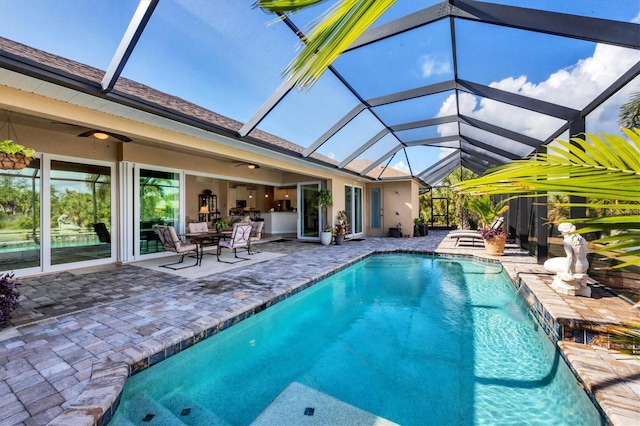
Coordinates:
75 323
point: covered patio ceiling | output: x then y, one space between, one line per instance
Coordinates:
433 86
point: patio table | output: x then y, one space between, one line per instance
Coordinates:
206 238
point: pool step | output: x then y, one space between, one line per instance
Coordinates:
143 410
298 404
121 421
189 412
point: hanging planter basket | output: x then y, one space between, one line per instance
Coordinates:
13 161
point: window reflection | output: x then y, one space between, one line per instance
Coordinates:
80 200
20 217
159 204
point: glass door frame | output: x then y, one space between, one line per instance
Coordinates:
130 209
353 210
301 211
45 214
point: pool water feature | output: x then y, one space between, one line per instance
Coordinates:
413 339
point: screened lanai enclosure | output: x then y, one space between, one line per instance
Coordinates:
429 88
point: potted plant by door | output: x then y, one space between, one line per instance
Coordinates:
14 156
325 199
341 227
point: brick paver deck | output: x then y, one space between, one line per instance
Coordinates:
77 334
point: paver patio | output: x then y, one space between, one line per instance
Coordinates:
75 330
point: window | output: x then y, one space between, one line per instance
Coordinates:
20 217
159 204
80 197
376 209
353 205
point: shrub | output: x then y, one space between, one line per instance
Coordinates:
8 298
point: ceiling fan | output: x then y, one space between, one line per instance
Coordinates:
101 134
252 166
96 133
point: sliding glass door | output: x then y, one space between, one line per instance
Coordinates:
309 214
20 218
56 214
159 195
80 212
354 207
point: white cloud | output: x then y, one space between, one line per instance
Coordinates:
434 65
402 166
575 87
636 20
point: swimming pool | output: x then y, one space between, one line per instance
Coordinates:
413 339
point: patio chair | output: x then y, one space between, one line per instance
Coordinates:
170 242
472 234
256 235
239 239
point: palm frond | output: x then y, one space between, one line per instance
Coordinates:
630 112
283 6
608 169
603 168
330 36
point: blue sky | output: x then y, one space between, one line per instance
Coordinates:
228 57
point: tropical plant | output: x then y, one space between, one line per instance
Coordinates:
331 34
8 146
325 199
220 223
489 233
485 208
8 298
630 113
341 225
601 169
446 203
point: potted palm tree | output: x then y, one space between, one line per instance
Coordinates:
494 238
14 156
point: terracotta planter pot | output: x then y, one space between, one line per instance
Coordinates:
495 246
13 161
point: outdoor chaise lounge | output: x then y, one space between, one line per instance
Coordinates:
472 235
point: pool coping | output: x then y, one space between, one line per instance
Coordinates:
100 399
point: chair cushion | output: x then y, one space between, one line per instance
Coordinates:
179 245
198 227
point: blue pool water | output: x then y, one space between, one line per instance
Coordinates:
418 340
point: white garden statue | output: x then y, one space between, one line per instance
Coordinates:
571 271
